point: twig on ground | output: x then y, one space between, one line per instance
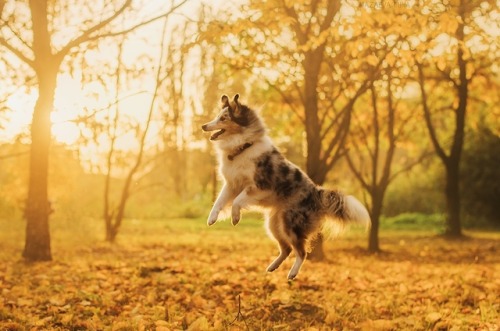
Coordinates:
239 315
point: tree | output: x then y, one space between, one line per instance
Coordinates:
373 145
124 165
44 54
451 73
113 216
174 105
383 121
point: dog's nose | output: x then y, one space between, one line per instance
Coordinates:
204 127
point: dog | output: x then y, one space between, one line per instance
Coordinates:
256 174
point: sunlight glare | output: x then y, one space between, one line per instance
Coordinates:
19 118
68 103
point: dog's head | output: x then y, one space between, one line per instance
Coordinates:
233 119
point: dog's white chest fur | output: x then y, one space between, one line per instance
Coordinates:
238 173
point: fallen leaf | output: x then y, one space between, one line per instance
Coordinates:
377 325
433 317
199 324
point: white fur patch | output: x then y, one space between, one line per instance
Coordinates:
357 212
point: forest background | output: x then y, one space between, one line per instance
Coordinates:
395 102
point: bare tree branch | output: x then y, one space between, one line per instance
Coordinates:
2 6
138 25
357 173
409 166
301 36
17 52
15 34
86 35
427 115
285 97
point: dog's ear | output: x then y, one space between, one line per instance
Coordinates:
225 101
239 112
236 106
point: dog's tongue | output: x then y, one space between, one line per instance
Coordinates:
217 134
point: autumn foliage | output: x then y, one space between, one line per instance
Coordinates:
179 274
101 104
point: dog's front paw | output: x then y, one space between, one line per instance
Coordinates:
292 275
235 216
212 219
271 267
275 265
235 219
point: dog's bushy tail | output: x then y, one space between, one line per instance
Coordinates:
345 209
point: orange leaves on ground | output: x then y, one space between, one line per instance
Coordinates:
450 286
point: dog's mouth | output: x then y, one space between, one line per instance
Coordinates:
216 134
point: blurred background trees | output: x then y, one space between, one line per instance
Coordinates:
450 73
394 101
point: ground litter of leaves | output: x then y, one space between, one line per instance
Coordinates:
217 281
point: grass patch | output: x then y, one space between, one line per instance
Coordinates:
414 222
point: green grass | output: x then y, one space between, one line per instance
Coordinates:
414 222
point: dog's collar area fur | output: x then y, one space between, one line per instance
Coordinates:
239 150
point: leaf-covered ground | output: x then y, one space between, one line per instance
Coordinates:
178 274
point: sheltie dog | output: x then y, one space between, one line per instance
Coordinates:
256 174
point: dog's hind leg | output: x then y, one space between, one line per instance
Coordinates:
299 248
275 227
285 250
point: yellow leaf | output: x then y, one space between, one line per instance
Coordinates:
432 318
372 60
377 325
390 59
118 326
441 64
449 23
66 319
199 324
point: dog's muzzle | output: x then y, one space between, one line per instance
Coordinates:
215 135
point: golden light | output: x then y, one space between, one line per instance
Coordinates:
68 103
19 118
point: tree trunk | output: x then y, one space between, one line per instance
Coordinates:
38 209
373 240
120 214
312 63
313 128
452 163
452 192
111 232
318 251
115 219
313 58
